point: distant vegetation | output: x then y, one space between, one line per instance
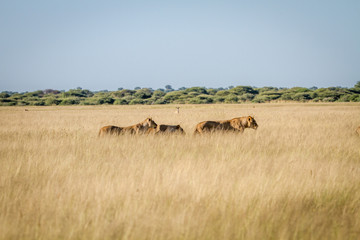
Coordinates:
193 95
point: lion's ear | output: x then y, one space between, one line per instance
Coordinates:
249 119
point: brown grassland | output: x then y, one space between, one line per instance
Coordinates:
296 177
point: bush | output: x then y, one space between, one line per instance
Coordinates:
246 97
7 103
270 95
240 90
77 93
355 98
222 93
219 99
123 93
90 101
286 96
204 99
22 103
160 101
212 91
121 101
158 94
136 101
196 95
260 99
69 101
4 95
38 93
105 100
38 103
172 96
302 96
193 94
329 99
199 90
231 98
51 101
194 101
143 93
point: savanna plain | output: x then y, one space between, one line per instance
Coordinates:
296 177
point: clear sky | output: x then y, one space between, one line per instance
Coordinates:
96 45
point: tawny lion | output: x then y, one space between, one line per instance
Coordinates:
162 128
139 128
233 125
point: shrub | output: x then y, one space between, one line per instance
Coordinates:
160 101
302 96
136 101
143 93
222 93
105 100
172 96
194 101
4 95
121 101
218 99
328 99
240 90
204 98
212 91
38 103
51 101
246 97
158 94
231 98
355 98
90 101
77 93
260 99
123 93
69 101
286 96
199 90
7 103
38 93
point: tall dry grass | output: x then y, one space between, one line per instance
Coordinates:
296 177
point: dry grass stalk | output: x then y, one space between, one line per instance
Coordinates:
296 177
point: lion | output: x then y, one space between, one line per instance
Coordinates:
162 128
139 128
234 125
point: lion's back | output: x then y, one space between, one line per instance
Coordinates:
109 130
169 128
206 126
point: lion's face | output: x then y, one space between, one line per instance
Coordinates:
252 123
151 123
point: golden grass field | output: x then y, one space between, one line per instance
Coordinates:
296 177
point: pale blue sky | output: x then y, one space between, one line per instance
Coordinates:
97 45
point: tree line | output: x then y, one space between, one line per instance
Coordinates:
192 95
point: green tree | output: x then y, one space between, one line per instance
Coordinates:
168 88
239 90
143 93
231 98
357 85
123 93
200 90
